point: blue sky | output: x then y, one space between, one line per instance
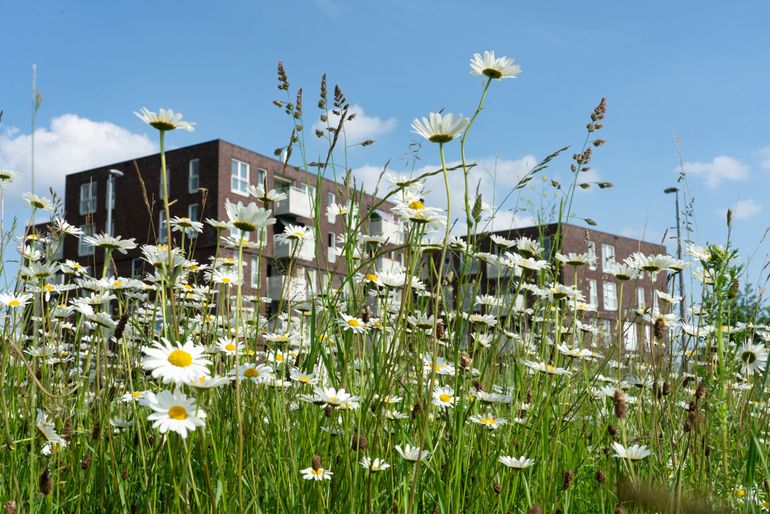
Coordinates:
699 70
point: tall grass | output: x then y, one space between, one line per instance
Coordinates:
429 361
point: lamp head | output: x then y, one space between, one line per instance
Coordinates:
671 190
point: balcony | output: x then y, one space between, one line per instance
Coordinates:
383 264
298 202
387 228
306 250
294 290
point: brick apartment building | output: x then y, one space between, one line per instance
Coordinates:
201 178
599 287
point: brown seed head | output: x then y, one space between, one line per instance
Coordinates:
600 476
535 509
569 476
358 442
619 400
315 462
45 483
10 507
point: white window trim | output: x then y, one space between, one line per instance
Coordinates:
248 177
592 255
133 266
606 288
593 292
254 271
331 198
85 250
608 264
92 189
162 226
197 168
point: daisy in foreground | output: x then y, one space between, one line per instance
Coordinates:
635 452
374 465
516 463
494 67
165 119
488 420
440 128
178 364
176 412
315 471
412 453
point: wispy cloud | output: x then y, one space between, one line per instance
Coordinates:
70 144
362 126
721 168
744 209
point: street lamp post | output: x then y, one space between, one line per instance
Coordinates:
113 174
682 312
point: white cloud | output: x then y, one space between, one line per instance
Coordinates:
70 144
719 169
765 153
744 209
362 127
495 179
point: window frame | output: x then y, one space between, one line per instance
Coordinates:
92 199
162 227
193 173
608 258
239 166
84 249
592 255
607 287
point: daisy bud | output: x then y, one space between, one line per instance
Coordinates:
496 487
569 476
619 400
535 509
600 476
315 462
10 507
45 483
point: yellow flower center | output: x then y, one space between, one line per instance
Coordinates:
437 367
279 357
417 205
319 471
371 276
251 373
180 358
353 322
225 280
740 493
304 378
444 397
488 421
14 303
136 394
230 347
49 287
298 233
177 412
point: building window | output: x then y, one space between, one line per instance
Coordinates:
591 255
330 200
162 227
239 234
610 296
239 177
255 272
608 258
640 297
593 293
167 186
332 257
83 247
607 330
261 175
629 336
136 267
194 213
87 198
194 176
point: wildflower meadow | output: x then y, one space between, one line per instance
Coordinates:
411 389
